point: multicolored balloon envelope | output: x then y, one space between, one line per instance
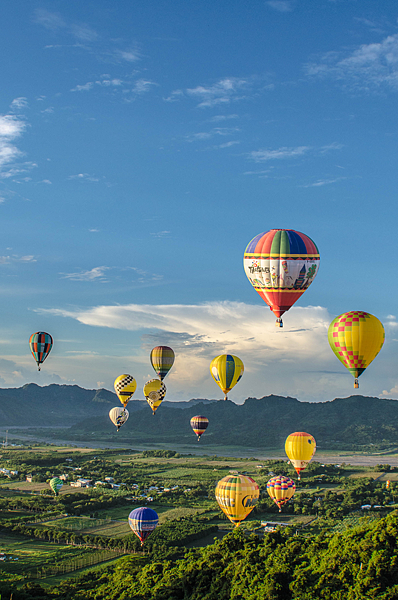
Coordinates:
199 425
281 264
143 521
356 338
125 386
237 495
281 489
162 359
40 346
300 448
154 391
56 484
226 371
118 416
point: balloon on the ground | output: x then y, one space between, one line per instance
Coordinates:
40 345
356 338
118 416
143 521
154 391
162 359
56 484
237 495
300 448
226 371
125 386
281 489
281 264
199 425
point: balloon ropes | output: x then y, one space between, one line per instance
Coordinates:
281 489
125 386
40 345
56 484
237 495
281 264
118 416
199 425
143 521
162 359
300 448
154 391
356 338
226 371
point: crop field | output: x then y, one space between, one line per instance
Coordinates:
357 518
27 555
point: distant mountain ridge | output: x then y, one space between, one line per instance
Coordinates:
264 422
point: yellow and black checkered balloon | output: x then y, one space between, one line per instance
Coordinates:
125 386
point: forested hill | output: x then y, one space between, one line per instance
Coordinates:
265 422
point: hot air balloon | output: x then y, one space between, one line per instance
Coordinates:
55 484
40 345
162 359
118 416
300 448
387 484
237 495
154 391
356 338
281 489
281 264
143 521
199 425
226 371
125 386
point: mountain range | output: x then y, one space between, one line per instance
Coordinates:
352 422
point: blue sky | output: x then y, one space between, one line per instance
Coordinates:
144 144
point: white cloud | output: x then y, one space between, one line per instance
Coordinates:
14 258
161 234
281 5
322 182
83 88
85 177
19 104
95 274
368 67
142 86
279 153
223 92
11 127
207 135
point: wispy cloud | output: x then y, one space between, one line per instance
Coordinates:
368 67
85 177
322 182
95 274
223 92
161 234
279 153
14 258
207 135
19 104
280 5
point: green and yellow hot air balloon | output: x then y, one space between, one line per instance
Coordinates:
356 338
56 484
162 359
226 371
237 495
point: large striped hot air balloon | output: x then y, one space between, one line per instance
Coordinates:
237 495
300 448
162 359
40 345
281 489
125 386
226 371
199 425
356 338
143 521
281 264
154 391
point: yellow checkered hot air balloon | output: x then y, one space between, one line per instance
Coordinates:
356 338
154 391
300 448
237 495
125 386
226 371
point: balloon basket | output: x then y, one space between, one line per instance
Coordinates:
279 323
356 384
